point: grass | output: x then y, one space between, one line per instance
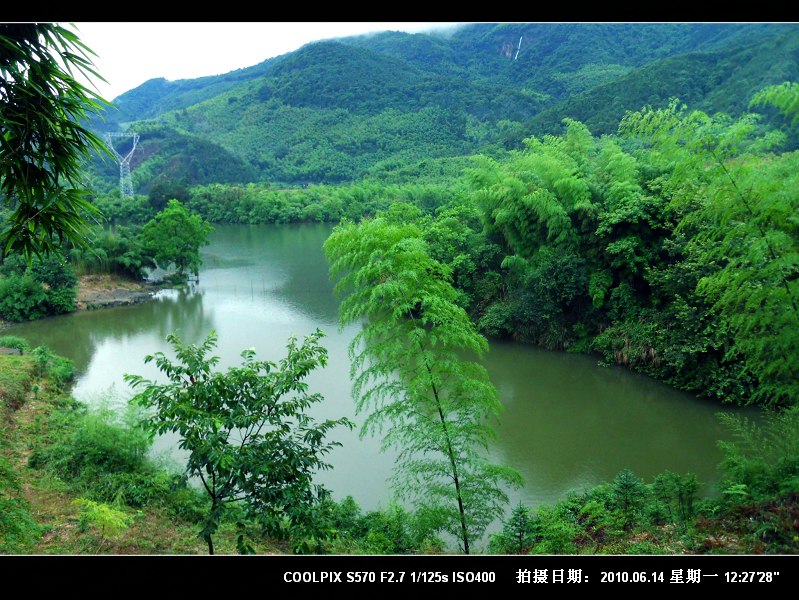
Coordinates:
16 373
48 517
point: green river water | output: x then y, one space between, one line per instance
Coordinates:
567 424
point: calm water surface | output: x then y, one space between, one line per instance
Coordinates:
568 423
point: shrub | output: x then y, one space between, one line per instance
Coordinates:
12 341
45 287
555 532
58 369
107 461
22 298
111 522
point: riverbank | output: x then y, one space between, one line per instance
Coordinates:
107 290
44 432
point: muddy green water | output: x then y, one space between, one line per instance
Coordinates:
568 423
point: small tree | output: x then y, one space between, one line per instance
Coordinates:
675 495
411 369
246 430
174 236
518 533
164 190
629 494
112 522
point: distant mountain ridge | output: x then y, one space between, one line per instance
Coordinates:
339 110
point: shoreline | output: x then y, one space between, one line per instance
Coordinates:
106 291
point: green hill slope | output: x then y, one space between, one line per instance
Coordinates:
338 110
714 81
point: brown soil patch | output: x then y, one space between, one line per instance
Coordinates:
102 291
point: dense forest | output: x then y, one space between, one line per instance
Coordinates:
345 109
621 190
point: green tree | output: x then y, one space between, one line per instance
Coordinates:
246 430
411 370
675 494
164 190
578 231
518 533
58 278
629 493
174 236
738 206
784 97
43 141
112 522
22 298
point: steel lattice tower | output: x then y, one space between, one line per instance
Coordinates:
125 183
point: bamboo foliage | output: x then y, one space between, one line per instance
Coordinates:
414 372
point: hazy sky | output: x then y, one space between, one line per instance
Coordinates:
131 53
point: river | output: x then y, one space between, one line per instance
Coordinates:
568 423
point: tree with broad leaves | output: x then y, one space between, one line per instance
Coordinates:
174 236
246 430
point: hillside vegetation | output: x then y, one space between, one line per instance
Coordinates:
340 110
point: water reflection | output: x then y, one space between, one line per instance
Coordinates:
78 335
567 423
283 262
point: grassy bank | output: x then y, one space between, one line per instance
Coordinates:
74 481
81 481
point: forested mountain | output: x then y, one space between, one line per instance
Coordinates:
344 109
718 81
558 59
158 95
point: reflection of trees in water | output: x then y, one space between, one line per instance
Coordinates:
181 311
307 284
173 309
78 335
282 261
567 419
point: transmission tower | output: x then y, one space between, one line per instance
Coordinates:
125 183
